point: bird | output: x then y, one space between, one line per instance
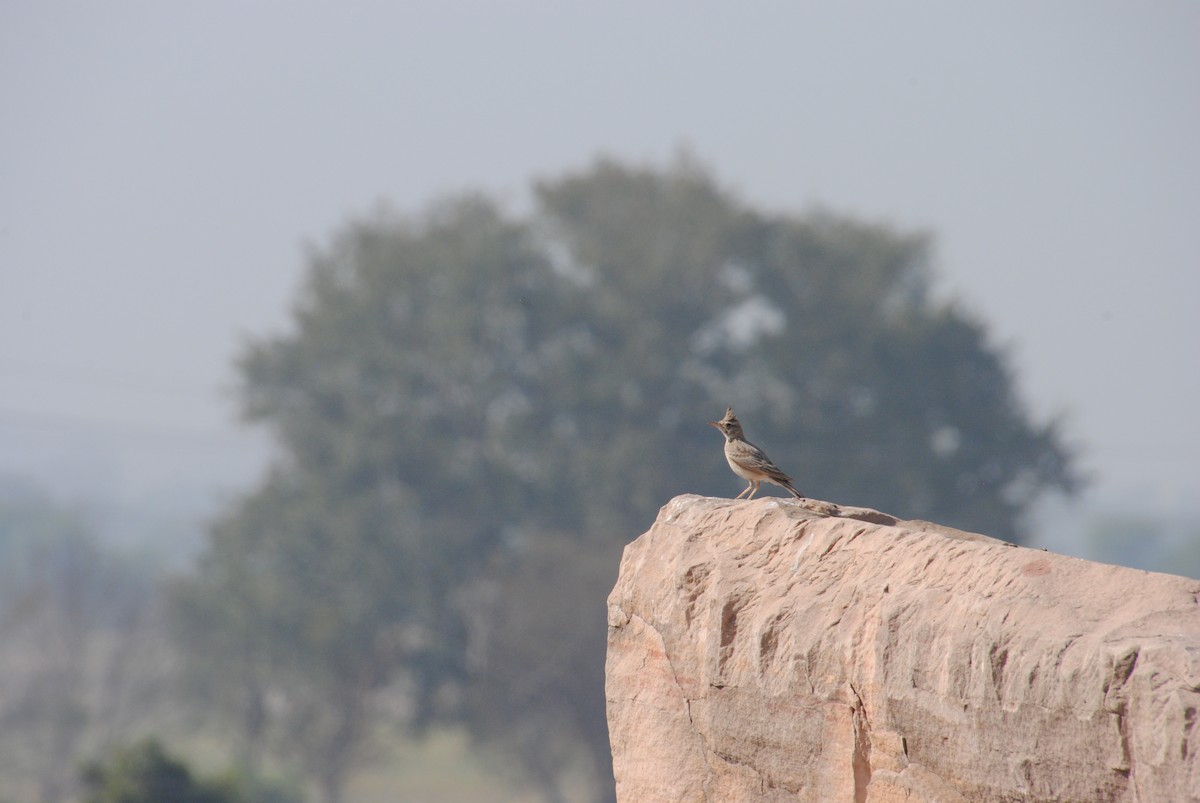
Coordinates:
747 460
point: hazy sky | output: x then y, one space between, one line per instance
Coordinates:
162 166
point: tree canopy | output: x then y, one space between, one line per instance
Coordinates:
461 387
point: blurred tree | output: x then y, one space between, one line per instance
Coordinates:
223 617
77 638
146 773
820 330
536 655
330 581
456 384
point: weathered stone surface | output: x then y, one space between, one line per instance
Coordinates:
763 651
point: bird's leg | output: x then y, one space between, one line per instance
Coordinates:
754 489
745 491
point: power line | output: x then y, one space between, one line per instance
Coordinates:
116 380
26 420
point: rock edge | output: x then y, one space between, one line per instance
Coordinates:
795 650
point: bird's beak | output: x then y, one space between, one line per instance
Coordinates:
714 424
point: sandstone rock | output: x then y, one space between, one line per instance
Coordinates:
765 651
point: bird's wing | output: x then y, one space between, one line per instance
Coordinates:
756 459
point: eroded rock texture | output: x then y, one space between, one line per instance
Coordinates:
766 650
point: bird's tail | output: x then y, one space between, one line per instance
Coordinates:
792 490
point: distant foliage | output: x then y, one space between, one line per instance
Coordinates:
146 773
79 657
461 389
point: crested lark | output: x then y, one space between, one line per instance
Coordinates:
747 460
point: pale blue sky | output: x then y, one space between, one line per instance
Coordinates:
163 164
